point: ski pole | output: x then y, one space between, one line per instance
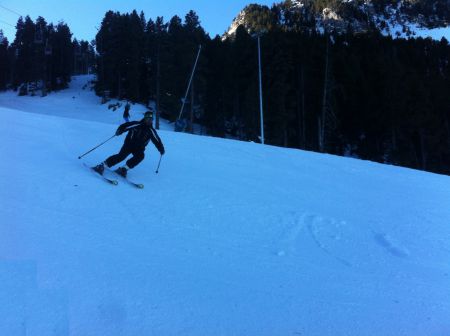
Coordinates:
157 169
96 147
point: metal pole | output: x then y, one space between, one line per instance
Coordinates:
96 147
260 92
189 85
157 169
191 121
158 76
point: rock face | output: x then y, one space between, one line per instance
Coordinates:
390 17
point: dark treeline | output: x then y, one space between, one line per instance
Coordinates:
365 95
360 95
42 57
144 60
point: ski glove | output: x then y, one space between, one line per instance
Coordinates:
161 149
119 131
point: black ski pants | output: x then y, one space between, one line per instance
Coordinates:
125 151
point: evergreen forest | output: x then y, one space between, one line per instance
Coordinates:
368 96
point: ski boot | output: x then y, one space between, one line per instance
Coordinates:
100 168
122 171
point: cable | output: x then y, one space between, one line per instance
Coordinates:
10 10
9 24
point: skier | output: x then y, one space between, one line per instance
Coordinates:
139 135
126 112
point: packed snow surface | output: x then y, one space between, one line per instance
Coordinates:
230 238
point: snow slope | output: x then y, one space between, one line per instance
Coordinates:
77 102
230 238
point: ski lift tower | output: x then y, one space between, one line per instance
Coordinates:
258 37
180 125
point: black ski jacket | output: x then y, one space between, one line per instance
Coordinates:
139 135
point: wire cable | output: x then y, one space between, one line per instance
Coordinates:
9 24
10 10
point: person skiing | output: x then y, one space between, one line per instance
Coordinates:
139 135
126 112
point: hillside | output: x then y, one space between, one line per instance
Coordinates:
397 18
230 238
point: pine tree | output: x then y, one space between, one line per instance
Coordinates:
62 56
24 43
4 61
157 51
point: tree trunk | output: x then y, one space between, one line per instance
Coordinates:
322 119
447 123
301 110
191 121
119 86
158 77
286 137
394 139
423 149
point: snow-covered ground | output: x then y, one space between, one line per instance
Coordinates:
230 238
396 30
435 33
77 102
399 25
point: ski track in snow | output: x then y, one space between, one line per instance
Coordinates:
328 236
391 245
326 233
335 238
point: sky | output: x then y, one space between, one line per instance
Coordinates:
84 16
229 238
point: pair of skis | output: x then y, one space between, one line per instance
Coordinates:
113 181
